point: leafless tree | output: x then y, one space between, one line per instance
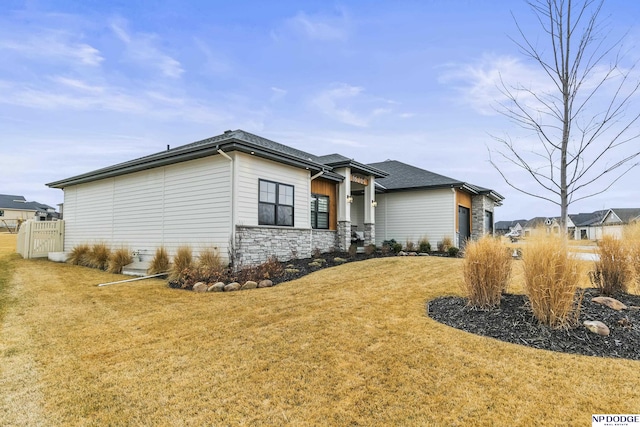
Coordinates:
582 121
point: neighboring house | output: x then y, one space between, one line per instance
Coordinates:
595 225
504 227
15 209
253 198
550 224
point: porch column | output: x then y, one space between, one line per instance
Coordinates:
344 210
370 212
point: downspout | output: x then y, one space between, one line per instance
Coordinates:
456 233
232 196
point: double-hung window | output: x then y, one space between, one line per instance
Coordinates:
275 205
319 211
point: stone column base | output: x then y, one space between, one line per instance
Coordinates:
369 234
344 235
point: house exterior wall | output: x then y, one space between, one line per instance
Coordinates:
250 169
12 215
479 205
411 215
256 244
187 203
327 188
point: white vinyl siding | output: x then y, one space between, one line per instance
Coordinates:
251 169
411 215
184 203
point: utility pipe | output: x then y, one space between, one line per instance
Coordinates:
133 280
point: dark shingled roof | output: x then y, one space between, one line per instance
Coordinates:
403 177
8 201
228 141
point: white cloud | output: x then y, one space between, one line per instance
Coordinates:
350 105
141 49
317 27
54 46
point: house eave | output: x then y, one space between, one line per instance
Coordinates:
191 153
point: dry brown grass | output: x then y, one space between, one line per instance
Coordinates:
612 272
350 345
118 259
486 270
160 262
80 255
551 278
99 255
632 241
182 262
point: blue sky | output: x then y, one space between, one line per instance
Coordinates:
87 84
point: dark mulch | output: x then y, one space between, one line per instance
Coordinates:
513 322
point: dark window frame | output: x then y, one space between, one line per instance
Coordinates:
277 205
315 212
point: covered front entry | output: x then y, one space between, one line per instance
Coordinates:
464 226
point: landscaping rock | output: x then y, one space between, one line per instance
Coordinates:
200 287
423 254
402 253
265 283
610 302
249 284
314 264
291 270
339 260
597 327
232 287
216 287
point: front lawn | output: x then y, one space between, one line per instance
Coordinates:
350 345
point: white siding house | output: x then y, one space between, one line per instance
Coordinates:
412 215
253 198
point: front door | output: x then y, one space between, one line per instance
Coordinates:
464 225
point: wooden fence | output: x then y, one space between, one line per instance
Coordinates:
37 238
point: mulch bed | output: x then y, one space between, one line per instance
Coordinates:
513 322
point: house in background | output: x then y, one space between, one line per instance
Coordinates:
505 227
15 209
595 225
253 198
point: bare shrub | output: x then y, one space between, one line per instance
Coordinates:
409 246
370 249
445 244
118 259
486 270
98 256
551 279
79 255
269 269
353 250
316 253
210 266
182 262
160 262
612 272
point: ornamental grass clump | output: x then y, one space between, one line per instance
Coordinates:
98 256
210 266
79 255
486 270
160 262
182 262
551 278
632 242
118 259
612 271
